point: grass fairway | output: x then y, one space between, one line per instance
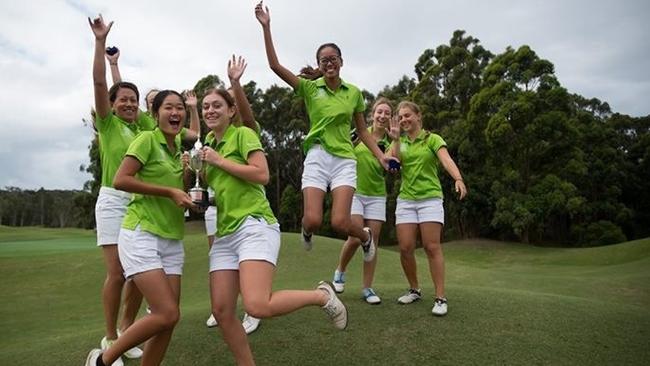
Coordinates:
508 304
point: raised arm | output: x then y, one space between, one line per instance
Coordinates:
394 134
451 168
100 30
264 17
115 69
236 68
195 123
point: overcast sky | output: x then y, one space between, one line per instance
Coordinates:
599 49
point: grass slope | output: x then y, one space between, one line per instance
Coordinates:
509 304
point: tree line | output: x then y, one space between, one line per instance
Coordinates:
542 165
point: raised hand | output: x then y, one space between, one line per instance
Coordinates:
99 28
236 68
262 14
190 98
394 129
112 59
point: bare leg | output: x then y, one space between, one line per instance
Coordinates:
131 304
430 232
406 237
312 208
341 218
112 290
162 293
350 246
224 289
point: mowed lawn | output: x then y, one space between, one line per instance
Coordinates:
509 304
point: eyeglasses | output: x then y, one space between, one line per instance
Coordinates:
329 60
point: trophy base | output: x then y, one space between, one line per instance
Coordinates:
199 197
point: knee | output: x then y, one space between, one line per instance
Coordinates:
311 222
257 309
341 225
222 313
407 251
115 276
433 249
169 317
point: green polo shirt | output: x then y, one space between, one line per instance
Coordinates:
155 214
115 136
235 198
370 173
330 113
420 166
146 121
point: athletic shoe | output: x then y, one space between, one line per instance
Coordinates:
211 322
94 354
368 246
334 308
439 306
339 281
306 240
106 344
412 295
132 353
370 296
250 323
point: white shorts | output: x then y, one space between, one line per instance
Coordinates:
210 217
142 251
109 212
371 208
254 240
419 211
322 169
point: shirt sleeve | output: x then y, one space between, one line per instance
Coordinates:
102 124
140 148
304 87
248 142
435 142
360 105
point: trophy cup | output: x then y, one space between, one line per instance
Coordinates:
198 195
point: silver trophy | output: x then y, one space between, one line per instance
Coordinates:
198 195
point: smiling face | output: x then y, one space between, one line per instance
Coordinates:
381 115
217 111
409 120
170 114
329 62
125 105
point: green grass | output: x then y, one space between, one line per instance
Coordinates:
509 304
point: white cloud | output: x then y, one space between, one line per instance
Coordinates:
598 48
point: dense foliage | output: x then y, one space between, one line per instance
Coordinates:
542 165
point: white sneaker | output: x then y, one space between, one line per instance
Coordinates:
339 281
334 308
439 306
370 296
250 323
94 354
411 296
306 239
211 322
132 353
368 246
106 344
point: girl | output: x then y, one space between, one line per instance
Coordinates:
150 246
245 251
419 204
369 201
330 162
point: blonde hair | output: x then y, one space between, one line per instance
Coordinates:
410 105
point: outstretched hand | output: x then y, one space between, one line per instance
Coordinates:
99 28
112 59
236 68
262 14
